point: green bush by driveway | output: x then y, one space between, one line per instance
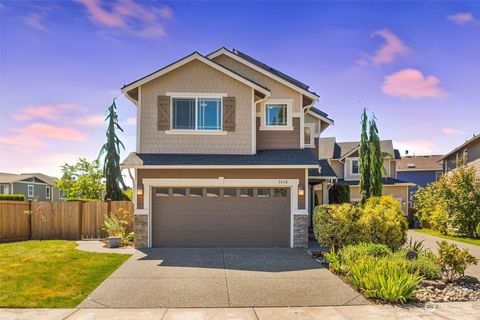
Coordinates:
38 274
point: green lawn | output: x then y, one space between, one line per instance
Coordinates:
450 236
40 274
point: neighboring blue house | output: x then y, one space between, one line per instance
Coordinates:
420 170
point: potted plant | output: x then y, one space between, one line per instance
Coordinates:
115 228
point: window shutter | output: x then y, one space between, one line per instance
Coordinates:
229 114
163 106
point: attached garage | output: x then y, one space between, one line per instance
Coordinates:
214 216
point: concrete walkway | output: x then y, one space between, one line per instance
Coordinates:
430 242
221 277
98 246
452 311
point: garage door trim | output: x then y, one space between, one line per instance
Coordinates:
149 184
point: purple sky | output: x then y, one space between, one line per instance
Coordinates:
416 65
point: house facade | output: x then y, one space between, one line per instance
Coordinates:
339 160
420 170
225 148
468 153
35 186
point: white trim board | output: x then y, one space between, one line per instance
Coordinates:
150 183
199 57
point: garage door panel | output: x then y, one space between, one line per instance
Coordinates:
221 221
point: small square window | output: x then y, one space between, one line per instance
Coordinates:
161 192
229 192
246 192
263 193
196 192
280 192
179 192
213 192
276 115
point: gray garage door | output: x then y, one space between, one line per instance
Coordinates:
230 217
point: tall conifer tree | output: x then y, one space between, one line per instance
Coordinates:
111 163
376 160
364 159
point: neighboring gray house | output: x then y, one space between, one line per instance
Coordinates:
35 186
468 153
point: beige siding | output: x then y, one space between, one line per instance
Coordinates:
399 193
278 90
337 166
196 77
281 139
388 165
315 121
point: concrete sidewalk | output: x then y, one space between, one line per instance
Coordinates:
452 311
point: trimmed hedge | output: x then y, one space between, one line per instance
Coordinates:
12 197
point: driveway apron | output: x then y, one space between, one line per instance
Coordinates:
221 277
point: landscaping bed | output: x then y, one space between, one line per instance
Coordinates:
51 273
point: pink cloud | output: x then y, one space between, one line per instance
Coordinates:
21 140
132 121
91 121
453 131
54 132
128 15
411 83
392 47
416 147
461 18
45 112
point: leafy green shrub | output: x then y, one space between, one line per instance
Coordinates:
339 193
128 239
115 223
384 279
350 254
336 225
81 199
453 261
383 221
12 197
334 263
425 267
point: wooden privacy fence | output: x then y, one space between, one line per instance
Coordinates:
57 220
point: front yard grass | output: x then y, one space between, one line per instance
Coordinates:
53 274
450 236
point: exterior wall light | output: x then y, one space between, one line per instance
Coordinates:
140 190
301 191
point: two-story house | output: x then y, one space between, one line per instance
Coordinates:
340 161
420 170
224 148
468 154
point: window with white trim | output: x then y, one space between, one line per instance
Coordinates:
195 113
354 168
47 192
30 190
309 135
276 115
3 189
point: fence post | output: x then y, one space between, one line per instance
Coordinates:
109 207
30 220
80 220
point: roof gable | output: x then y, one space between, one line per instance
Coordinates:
187 59
266 70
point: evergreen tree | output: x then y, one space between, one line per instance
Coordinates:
111 164
376 160
364 159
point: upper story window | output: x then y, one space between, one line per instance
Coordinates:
197 113
308 135
276 115
354 167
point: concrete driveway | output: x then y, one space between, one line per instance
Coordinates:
221 277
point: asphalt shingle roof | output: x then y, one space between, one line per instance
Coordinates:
263 157
325 170
385 181
330 149
420 163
